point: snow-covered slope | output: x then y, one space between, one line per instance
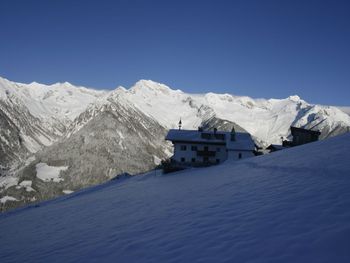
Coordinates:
345 109
35 115
267 120
110 137
123 129
57 102
289 206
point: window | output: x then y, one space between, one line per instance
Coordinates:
183 148
206 148
205 136
182 160
240 156
218 149
193 160
220 136
194 148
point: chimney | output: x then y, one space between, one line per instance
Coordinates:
233 134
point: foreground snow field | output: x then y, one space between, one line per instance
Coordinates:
289 206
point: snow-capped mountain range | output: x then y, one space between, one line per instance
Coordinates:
98 133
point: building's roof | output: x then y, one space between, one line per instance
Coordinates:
302 130
276 147
243 141
194 136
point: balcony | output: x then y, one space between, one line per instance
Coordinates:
206 153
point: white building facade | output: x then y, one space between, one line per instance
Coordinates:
209 147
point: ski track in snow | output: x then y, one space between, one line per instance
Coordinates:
289 206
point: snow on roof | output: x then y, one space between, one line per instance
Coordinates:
243 141
193 136
302 130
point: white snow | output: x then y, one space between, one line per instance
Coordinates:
8 181
62 101
156 160
4 140
29 160
267 120
49 173
120 135
30 143
7 198
345 109
67 192
27 184
121 138
288 206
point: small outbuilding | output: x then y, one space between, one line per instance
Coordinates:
275 147
302 136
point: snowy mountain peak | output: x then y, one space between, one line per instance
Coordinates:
145 86
65 84
34 83
121 88
33 116
267 120
147 82
59 102
2 80
294 98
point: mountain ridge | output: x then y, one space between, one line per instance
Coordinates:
90 132
56 106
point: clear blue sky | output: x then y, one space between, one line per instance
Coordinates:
255 48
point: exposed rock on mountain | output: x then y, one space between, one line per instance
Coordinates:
36 115
82 137
21 133
106 140
221 125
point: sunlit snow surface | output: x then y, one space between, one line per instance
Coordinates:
345 109
7 198
289 206
49 173
267 120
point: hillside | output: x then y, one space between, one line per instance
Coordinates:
35 115
96 134
289 206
